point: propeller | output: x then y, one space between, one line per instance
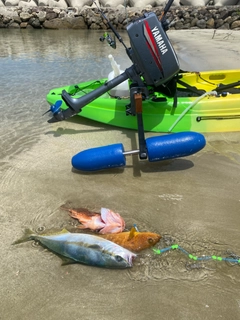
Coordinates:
55 107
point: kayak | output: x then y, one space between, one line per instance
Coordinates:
206 101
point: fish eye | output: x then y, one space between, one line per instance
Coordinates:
150 240
118 258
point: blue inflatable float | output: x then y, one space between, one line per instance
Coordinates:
159 148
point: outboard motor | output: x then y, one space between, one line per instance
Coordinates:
154 63
151 51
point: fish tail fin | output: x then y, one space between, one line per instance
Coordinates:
64 207
26 237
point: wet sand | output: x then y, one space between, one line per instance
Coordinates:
207 49
192 201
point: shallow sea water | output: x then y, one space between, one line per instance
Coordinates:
193 201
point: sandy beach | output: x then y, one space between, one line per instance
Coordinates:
207 49
193 201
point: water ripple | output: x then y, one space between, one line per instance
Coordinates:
175 265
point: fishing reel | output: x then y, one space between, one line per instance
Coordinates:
111 41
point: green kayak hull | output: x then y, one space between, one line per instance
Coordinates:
209 112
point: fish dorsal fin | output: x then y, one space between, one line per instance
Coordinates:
95 246
63 231
131 233
29 235
54 232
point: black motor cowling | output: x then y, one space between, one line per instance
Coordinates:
151 50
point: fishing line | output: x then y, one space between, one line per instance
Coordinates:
136 228
234 259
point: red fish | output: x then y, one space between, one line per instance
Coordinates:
134 240
105 222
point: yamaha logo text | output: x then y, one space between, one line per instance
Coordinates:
159 40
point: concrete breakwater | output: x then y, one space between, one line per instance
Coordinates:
184 17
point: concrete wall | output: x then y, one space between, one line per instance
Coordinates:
115 3
182 17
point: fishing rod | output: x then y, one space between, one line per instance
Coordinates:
111 42
165 10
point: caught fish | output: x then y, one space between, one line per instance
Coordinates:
134 240
88 219
105 222
88 249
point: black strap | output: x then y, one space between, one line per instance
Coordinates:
191 88
223 87
175 100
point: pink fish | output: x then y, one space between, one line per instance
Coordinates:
105 222
114 223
